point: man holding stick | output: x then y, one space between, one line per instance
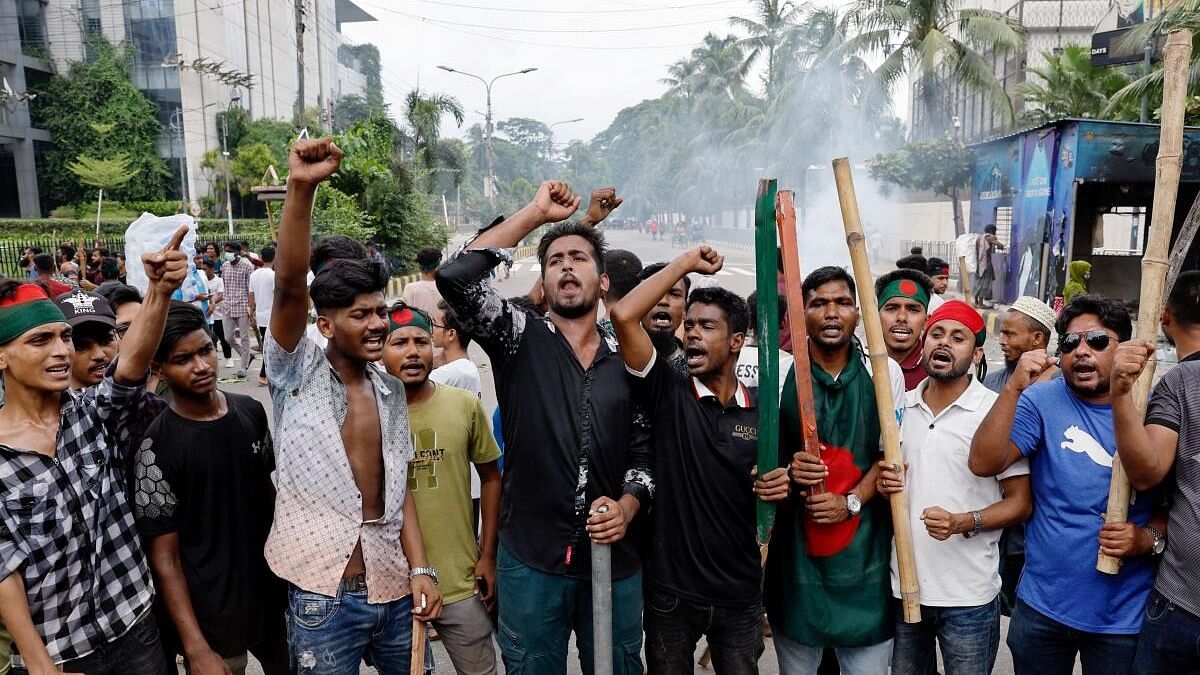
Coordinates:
903 297
704 573
1065 606
840 601
957 517
346 535
1168 441
572 440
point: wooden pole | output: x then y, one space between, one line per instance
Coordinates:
1177 54
767 331
417 660
910 591
965 279
786 218
1183 244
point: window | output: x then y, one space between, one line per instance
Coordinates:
1120 231
1003 225
31 22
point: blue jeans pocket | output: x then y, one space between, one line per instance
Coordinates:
1157 608
311 611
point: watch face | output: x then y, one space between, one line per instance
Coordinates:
853 504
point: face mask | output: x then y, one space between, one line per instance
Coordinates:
228 256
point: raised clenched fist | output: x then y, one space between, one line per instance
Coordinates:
313 160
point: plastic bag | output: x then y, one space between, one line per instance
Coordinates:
964 247
149 234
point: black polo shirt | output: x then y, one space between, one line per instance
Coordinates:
571 434
705 545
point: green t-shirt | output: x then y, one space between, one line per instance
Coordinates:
449 433
5 649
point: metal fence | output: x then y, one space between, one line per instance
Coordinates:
11 250
932 249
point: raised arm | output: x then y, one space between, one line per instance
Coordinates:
166 271
626 315
1146 444
310 162
553 202
992 449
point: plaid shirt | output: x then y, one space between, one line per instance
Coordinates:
66 525
236 274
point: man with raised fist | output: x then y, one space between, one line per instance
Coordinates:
345 535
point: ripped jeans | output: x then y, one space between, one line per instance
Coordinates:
330 636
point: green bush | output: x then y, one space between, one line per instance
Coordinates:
73 229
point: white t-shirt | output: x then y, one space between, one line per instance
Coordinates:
262 285
463 374
747 367
216 286
958 572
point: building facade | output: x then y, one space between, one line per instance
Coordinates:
193 58
1049 25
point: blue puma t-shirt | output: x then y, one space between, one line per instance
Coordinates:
1070 446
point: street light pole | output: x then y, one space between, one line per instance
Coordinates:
489 186
225 153
550 145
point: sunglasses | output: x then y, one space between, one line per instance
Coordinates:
1096 339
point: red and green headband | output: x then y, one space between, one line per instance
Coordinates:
906 288
405 317
957 310
25 310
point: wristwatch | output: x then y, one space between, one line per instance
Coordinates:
853 504
430 572
1160 542
976 525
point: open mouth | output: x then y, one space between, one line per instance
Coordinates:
831 330
413 368
98 369
63 370
941 357
374 342
661 320
901 332
1084 371
695 355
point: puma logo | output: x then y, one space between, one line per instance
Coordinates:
1082 442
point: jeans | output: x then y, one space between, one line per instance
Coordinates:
1042 646
330 636
261 331
240 323
674 626
968 637
538 612
137 652
799 659
1170 639
466 633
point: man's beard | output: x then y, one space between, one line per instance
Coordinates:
953 374
584 307
1101 387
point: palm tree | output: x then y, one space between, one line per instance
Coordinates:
1070 86
766 31
938 44
423 120
720 67
1178 15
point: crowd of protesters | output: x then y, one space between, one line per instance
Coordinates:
147 515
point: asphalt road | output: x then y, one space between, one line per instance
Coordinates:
737 276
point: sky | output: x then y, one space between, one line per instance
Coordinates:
593 57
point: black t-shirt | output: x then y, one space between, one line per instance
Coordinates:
211 483
705 547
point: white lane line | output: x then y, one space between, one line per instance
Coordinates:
516 267
740 271
535 267
723 273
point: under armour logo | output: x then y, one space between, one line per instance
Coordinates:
82 302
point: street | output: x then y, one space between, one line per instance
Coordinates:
737 276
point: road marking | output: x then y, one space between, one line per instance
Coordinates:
741 271
535 267
516 267
724 273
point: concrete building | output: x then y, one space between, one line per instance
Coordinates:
1049 25
194 58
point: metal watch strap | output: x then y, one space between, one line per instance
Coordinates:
977 527
430 572
1159 538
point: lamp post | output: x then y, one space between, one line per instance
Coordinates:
550 144
489 189
225 153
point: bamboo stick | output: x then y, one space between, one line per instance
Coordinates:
416 664
965 279
1177 54
910 591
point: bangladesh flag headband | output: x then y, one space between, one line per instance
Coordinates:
26 309
904 288
403 317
